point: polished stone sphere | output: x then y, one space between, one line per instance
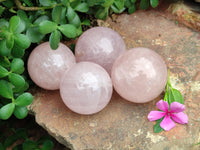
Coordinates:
139 75
100 45
46 66
86 88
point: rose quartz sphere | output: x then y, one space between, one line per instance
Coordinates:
86 88
139 75
46 66
100 45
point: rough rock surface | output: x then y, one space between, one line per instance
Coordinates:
122 124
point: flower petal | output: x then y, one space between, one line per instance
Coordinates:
167 124
155 115
163 105
176 107
180 117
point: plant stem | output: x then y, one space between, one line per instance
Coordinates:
20 6
6 59
168 85
168 79
13 100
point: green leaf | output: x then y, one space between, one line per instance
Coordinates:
95 2
72 47
45 2
102 13
48 145
166 97
82 7
63 19
56 14
47 27
8 3
107 3
20 112
175 96
128 3
68 30
74 3
116 10
79 31
6 89
132 9
40 19
144 4
170 97
24 18
1 10
24 99
16 25
119 5
10 140
17 52
4 34
16 64
85 22
55 39
76 21
73 17
4 51
29 145
10 41
16 79
28 3
21 133
21 89
65 2
3 72
3 22
6 111
154 3
70 13
34 35
4 62
22 41
156 127
42 139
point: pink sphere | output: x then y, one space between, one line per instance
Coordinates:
86 88
100 45
139 75
46 66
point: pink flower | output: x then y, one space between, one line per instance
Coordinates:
175 112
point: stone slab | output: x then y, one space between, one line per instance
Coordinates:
186 13
124 125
